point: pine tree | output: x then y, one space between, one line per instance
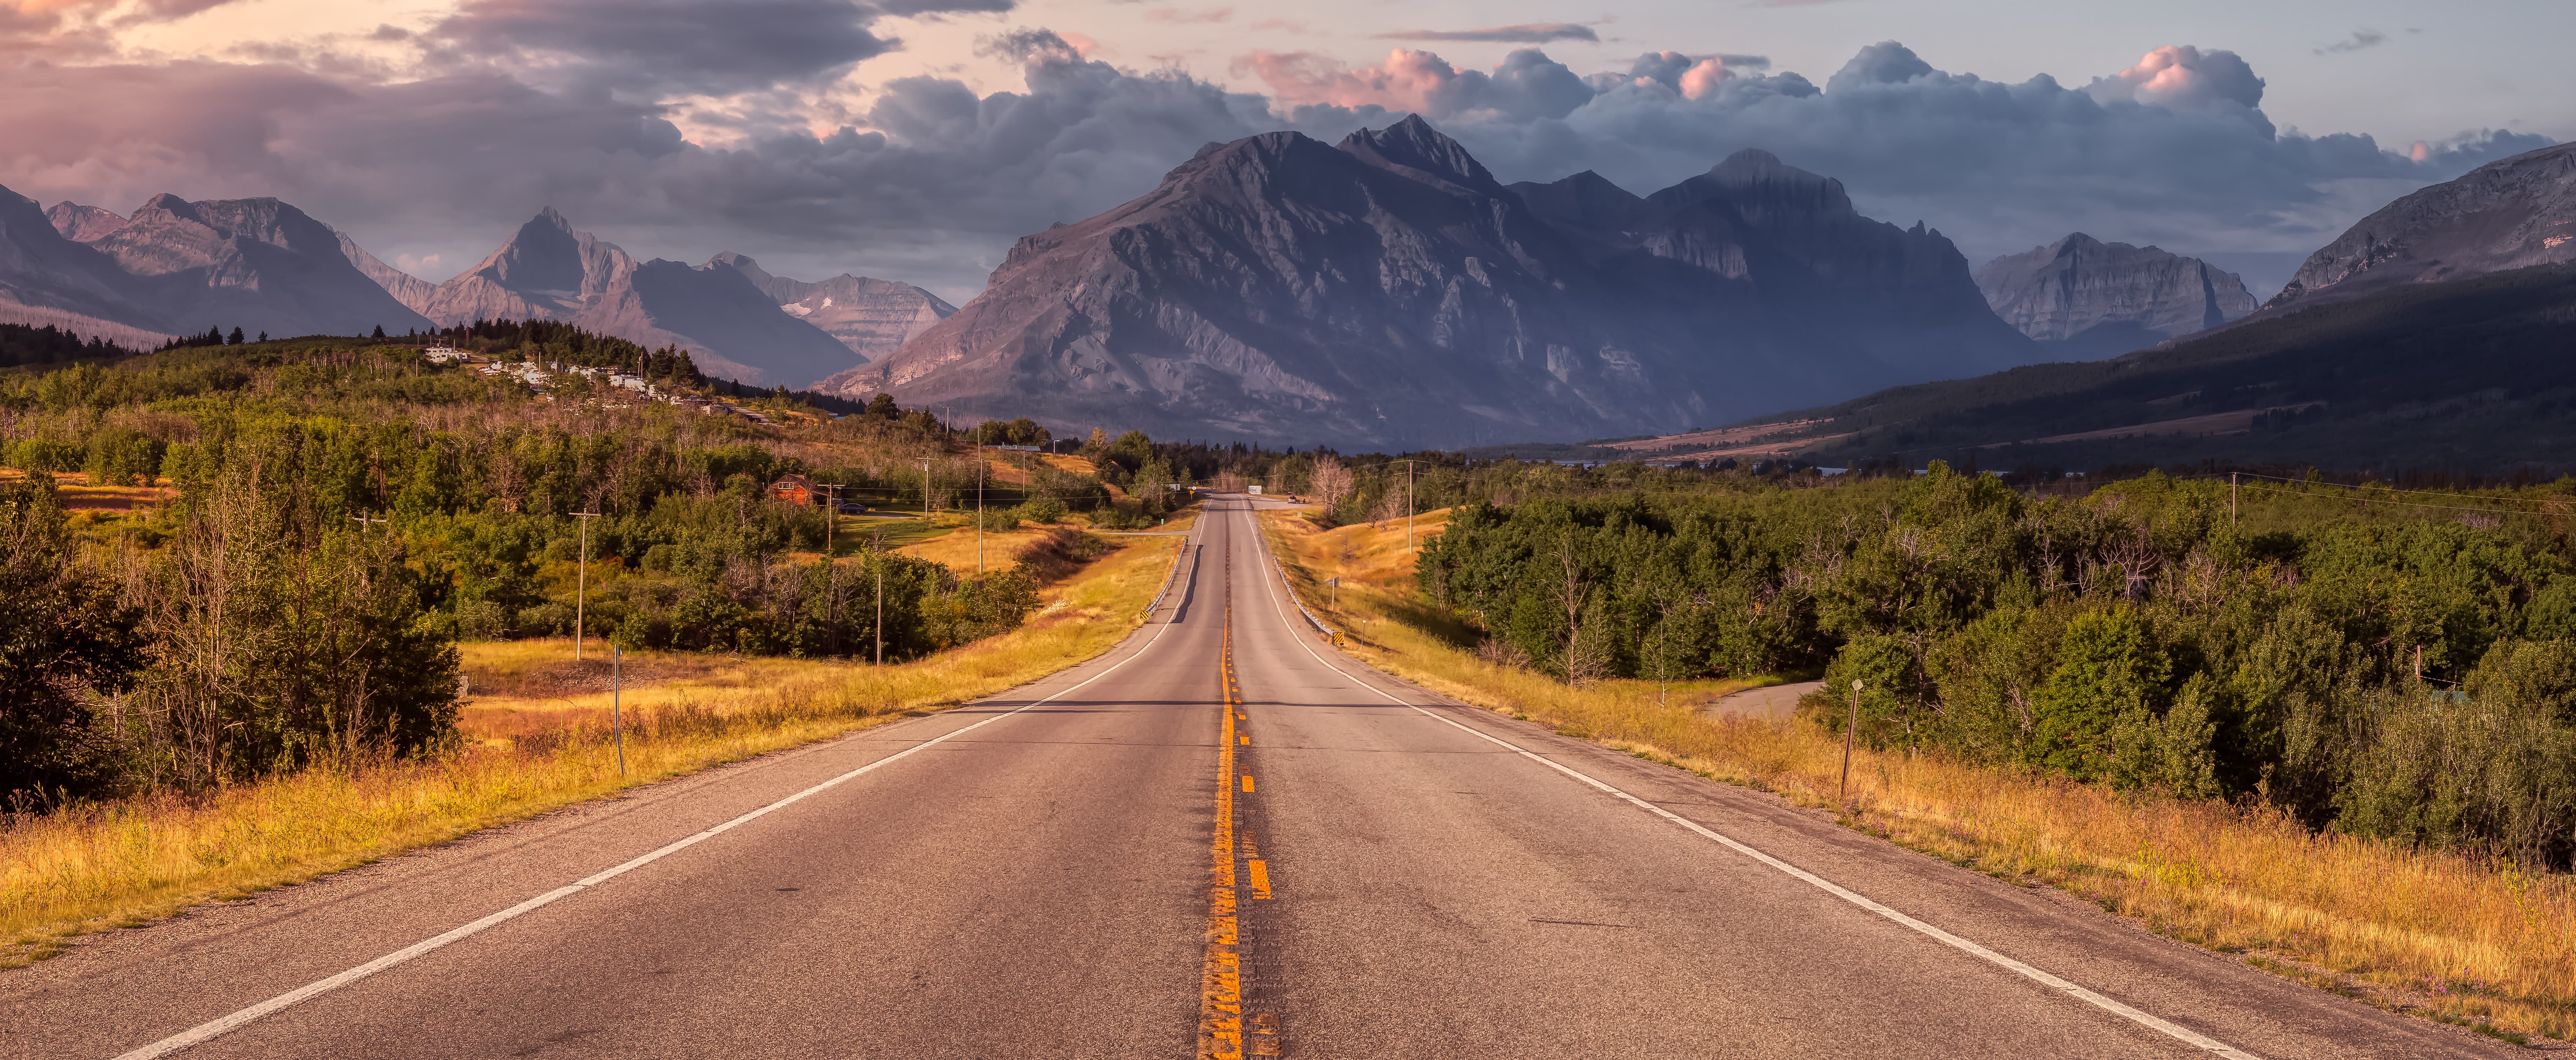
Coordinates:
234 339
380 332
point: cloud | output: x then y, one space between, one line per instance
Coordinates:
1528 85
2361 38
929 180
1525 33
1174 14
689 46
2173 149
2179 76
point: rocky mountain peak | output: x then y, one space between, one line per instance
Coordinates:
1586 201
1760 185
1387 291
872 317
84 224
1413 144
257 263
2088 299
2510 214
548 254
47 278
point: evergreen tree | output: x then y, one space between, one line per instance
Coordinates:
234 339
380 332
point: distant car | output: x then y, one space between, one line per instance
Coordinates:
854 508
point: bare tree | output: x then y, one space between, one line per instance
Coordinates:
1330 481
1587 657
1390 508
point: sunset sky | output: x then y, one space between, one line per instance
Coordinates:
915 139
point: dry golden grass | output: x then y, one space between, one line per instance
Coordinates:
73 488
957 547
535 742
2454 938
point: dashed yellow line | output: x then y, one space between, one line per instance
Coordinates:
1221 978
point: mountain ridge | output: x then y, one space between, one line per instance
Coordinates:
1387 290
872 317
549 270
2083 298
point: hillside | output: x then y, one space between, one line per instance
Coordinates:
2471 375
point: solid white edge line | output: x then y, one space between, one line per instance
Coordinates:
2144 1019
208 1031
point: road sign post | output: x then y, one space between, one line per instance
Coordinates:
581 596
616 712
1845 796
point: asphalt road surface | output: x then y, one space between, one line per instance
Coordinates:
1222 838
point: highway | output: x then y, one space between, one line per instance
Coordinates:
1222 838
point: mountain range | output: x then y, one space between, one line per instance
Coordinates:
1389 291
2081 298
2512 214
2434 333
1383 291
263 265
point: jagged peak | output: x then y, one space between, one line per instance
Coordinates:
1414 144
1754 165
169 204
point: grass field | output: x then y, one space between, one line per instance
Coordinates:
78 495
535 737
2484 944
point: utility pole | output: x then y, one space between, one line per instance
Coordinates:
925 489
2231 498
831 516
878 560
616 713
980 465
1845 796
581 604
362 521
1408 500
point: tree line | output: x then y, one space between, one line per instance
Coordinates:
344 514
2407 678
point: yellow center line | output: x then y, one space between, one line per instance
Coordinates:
1223 1031
1221 978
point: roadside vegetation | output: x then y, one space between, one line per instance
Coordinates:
251 655
2219 730
533 735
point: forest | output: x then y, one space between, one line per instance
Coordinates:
2369 663
332 516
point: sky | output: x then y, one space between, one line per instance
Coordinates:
917 139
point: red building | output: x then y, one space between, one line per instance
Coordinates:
794 489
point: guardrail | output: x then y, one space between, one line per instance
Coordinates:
1280 568
1175 577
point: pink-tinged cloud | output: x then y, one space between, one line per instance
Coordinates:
2182 77
1527 84
1176 15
